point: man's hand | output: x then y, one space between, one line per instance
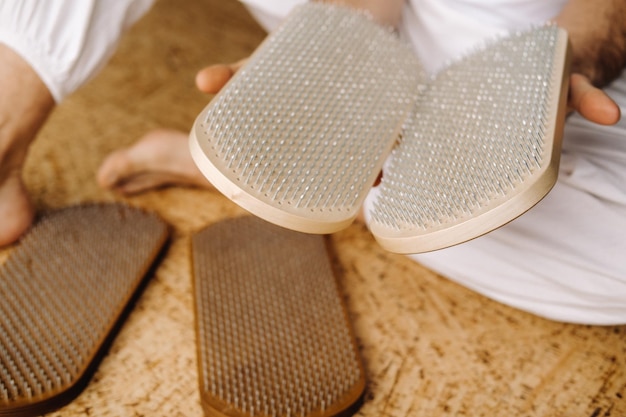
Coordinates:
597 33
591 102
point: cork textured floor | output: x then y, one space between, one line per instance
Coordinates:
430 347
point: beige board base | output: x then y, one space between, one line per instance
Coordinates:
429 346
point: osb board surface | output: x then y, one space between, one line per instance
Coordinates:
431 347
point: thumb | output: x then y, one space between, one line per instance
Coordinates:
591 102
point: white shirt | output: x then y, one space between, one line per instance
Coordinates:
67 41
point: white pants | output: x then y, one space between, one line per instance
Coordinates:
565 259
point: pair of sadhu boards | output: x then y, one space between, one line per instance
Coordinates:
299 135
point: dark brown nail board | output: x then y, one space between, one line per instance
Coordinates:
273 333
65 289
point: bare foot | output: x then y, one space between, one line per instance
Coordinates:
25 103
158 159
161 157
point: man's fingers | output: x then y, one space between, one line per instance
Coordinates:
591 102
211 79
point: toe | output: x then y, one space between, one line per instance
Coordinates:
112 169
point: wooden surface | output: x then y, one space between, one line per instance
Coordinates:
431 347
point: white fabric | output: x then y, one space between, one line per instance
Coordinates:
443 30
66 41
564 259
270 13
